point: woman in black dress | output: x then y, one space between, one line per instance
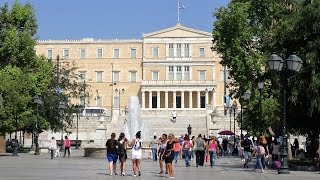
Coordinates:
169 155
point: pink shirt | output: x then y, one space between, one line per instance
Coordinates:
213 146
67 143
176 147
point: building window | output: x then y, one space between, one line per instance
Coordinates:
202 75
49 54
178 50
171 51
201 51
99 53
155 75
82 53
171 73
99 101
116 76
99 76
83 75
179 73
133 76
116 53
186 73
155 52
133 53
186 50
66 53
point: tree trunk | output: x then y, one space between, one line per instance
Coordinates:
289 148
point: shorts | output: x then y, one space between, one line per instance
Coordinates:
112 158
246 155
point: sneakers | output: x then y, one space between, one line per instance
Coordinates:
134 175
139 173
123 174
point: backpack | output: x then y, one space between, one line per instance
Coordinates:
186 145
137 145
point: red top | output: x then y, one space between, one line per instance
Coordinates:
67 143
176 147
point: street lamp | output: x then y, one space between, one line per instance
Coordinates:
246 97
292 63
62 107
119 92
79 109
37 101
234 109
260 87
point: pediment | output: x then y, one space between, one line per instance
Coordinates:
178 31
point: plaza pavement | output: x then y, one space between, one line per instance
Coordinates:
31 167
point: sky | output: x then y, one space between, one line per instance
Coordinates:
118 19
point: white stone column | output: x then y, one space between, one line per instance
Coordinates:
207 97
143 103
198 99
174 100
166 99
190 99
150 99
158 99
182 99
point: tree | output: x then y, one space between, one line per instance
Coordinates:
284 28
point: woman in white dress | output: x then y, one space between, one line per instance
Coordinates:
53 147
136 145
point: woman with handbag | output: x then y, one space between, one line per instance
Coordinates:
169 154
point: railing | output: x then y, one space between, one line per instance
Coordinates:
178 82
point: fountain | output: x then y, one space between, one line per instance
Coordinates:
134 123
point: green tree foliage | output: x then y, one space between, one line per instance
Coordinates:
24 74
248 32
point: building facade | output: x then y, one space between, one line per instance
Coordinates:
174 68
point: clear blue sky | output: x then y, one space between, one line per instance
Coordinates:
108 19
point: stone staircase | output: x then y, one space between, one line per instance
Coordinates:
156 125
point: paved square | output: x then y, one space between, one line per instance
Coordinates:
31 167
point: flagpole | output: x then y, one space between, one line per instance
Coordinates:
178 11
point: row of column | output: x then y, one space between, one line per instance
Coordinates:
174 99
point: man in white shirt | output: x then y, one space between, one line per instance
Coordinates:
174 115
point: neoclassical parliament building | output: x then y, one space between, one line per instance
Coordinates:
170 69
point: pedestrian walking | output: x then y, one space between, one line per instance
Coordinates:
67 146
189 130
186 149
154 148
136 145
213 146
112 153
247 149
161 153
53 147
200 152
122 152
169 154
177 149
259 152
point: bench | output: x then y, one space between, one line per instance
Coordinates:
72 142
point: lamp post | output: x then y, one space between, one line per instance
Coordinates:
234 109
246 97
292 63
79 109
119 93
37 101
230 113
260 87
62 107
